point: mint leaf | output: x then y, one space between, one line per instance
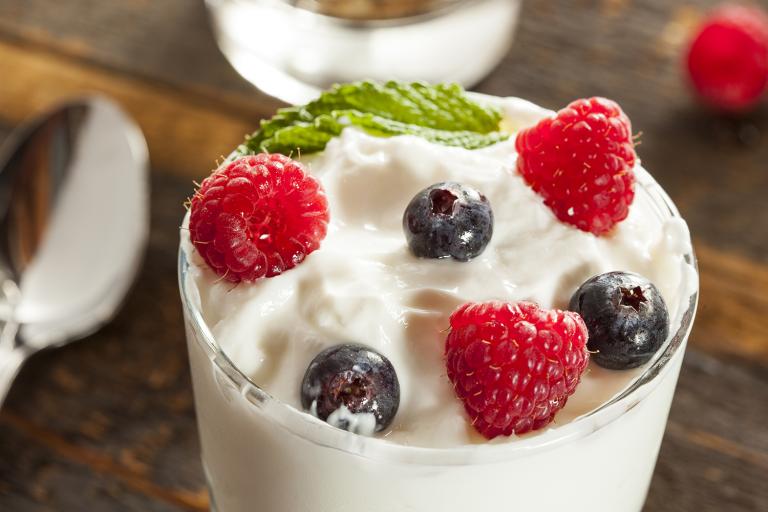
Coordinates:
441 113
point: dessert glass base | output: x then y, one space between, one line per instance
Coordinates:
261 454
293 52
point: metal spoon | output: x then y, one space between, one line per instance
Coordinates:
74 219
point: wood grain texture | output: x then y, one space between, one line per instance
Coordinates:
715 451
733 314
166 41
127 474
107 424
196 124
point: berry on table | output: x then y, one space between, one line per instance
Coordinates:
728 58
258 217
352 387
581 163
448 220
626 316
514 365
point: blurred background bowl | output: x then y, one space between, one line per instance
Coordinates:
292 49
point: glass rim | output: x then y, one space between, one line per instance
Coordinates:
311 429
363 23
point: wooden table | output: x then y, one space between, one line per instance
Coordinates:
108 424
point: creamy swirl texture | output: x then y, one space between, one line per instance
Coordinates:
364 286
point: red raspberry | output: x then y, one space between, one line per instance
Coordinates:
728 57
514 365
258 216
581 162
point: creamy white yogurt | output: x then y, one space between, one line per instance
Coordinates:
364 286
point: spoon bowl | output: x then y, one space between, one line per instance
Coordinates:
74 219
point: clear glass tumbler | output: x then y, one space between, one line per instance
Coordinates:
292 49
261 454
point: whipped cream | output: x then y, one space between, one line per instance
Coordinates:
364 286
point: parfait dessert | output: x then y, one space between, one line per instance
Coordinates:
408 297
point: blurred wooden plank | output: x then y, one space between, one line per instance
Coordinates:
714 456
186 130
168 41
36 479
97 463
733 315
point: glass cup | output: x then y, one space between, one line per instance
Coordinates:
261 454
293 49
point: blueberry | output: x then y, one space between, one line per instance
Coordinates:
448 220
352 387
626 317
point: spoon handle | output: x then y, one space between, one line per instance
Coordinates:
10 363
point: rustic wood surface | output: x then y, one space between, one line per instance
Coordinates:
107 424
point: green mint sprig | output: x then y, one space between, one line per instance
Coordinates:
442 113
